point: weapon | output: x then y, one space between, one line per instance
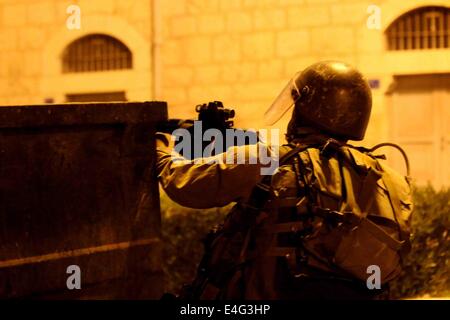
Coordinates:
211 115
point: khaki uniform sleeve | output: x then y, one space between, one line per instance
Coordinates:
211 182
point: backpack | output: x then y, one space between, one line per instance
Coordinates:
364 209
354 208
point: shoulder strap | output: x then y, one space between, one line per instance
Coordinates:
261 192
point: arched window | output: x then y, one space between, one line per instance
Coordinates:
96 52
422 28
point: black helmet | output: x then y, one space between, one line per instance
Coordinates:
331 96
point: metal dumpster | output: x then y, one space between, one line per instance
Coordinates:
77 188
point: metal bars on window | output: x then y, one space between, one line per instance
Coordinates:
419 29
96 52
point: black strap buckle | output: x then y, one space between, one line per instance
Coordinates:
336 217
330 148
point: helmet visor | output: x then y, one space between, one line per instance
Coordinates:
285 100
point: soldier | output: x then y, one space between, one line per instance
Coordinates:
329 216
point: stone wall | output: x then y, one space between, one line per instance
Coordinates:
33 35
239 51
244 51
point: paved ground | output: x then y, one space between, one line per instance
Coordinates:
427 297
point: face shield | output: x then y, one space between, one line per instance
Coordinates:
285 100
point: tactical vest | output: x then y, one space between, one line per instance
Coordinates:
330 210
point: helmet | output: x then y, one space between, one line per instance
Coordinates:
330 96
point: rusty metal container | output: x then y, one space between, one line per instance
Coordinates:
78 187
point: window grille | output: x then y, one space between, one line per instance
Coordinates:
96 52
419 29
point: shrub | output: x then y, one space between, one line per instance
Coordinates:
182 232
426 268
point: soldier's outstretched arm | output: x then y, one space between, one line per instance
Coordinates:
209 182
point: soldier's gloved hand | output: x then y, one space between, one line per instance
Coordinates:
164 141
